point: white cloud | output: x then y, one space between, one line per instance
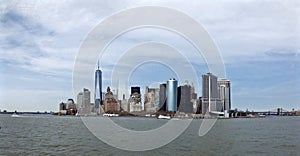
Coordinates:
44 37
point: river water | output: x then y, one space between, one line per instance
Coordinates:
55 135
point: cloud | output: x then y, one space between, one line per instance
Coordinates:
39 40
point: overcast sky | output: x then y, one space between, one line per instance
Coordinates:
259 41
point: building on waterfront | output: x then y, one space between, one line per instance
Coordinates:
162 97
224 93
193 93
111 104
187 98
172 95
84 102
151 99
135 99
210 96
98 89
184 99
199 106
67 108
124 104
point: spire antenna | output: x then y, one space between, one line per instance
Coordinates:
98 64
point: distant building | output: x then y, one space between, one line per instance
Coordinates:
92 108
67 108
135 90
124 104
110 103
199 106
151 99
172 95
224 93
135 103
70 105
84 102
80 102
87 100
210 96
184 99
98 89
193 93
195 103
162 97
62 106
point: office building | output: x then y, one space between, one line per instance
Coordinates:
151 99
162 97
124 104
224 93
110 103
84 102
98 89
135 99
210 95
184 99
67 108
172 95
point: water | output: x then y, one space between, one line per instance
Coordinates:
53 135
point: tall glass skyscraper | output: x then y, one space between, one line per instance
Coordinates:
98 88
172 95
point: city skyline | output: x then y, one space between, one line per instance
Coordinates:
169 97
258 41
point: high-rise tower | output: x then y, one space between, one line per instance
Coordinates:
84 102
98 88
210 97
162 97
224 93
172 95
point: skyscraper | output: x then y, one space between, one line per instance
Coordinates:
184 99
80 102
172 95
210 96
84 102
151 97
134 101
162 97
224 93
98 88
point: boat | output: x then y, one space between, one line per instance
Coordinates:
164 117
111 115
15 115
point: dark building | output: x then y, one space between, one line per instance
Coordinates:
184 103
135 90
199 106
162 97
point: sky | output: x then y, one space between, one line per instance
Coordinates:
259 41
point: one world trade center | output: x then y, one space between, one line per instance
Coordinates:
98 89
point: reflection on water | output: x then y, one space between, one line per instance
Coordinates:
46 134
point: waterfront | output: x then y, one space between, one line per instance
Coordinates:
52 135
